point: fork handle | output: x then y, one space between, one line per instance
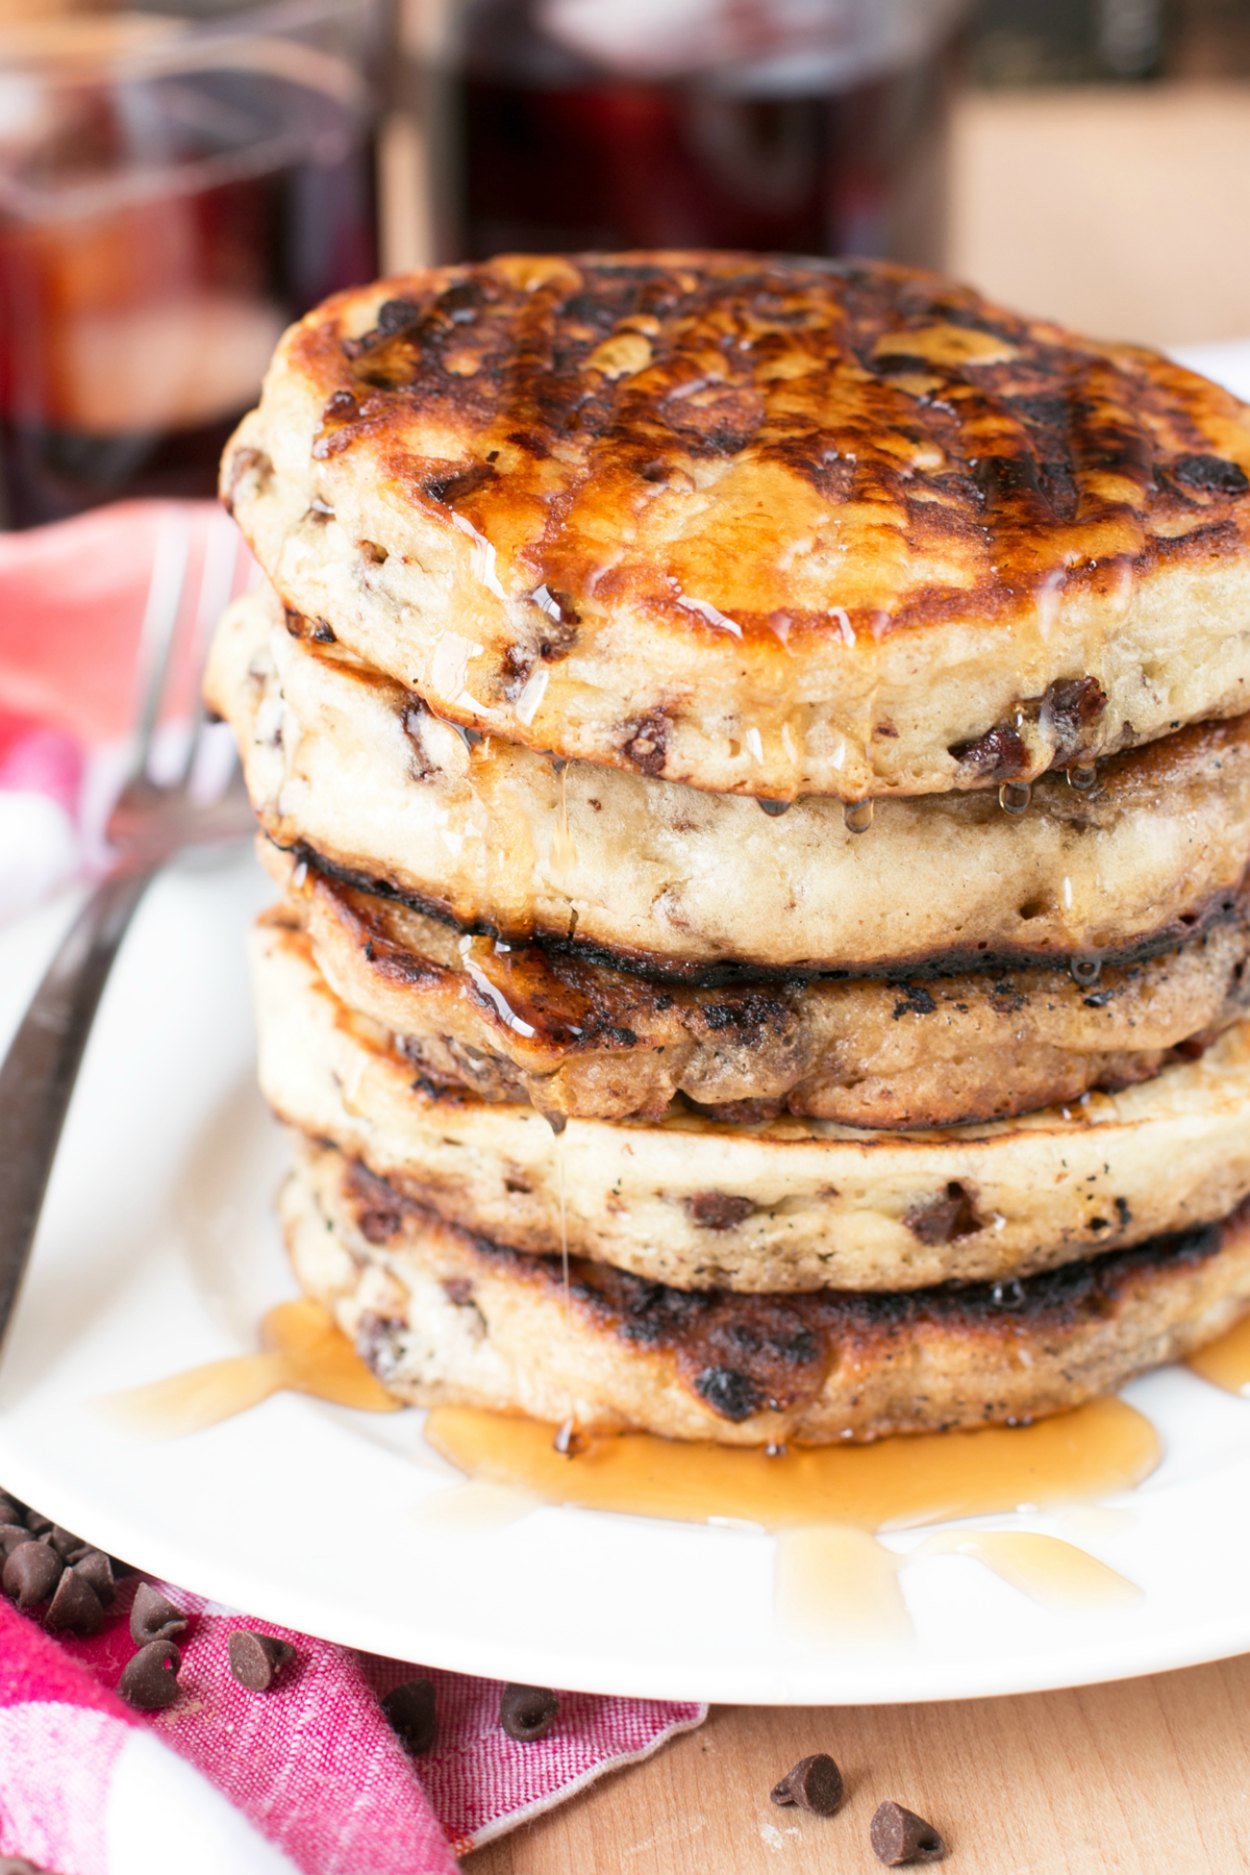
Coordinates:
38 1074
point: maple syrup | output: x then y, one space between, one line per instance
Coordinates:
1048 1569
923 1478
563 846
837 1586
1226 1361
304 1351
835 1583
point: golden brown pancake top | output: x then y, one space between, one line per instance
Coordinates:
961 451
725 487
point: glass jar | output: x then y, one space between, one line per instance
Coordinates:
175 187
801 126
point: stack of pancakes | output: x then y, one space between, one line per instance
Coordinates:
753 757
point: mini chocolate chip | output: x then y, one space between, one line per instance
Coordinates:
37 1522
153 1616
900 1836
150 1678
63 1542
1215 472
393 315
31 1573
409 1711
257 1659
527 1712
814 1784
727 1392
95 1569
75 1608
10 1510
12 1535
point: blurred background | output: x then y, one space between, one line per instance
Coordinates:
178 181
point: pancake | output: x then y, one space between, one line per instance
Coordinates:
763 526
701 886
445 1317
787 1204
577 1038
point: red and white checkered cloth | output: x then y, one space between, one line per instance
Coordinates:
307 1776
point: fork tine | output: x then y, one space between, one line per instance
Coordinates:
157 634
217 575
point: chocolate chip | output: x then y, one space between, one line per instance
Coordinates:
1215 472
947 1217
646 743
10 1510
458 483
814 1784
1074 706
729 1393
149 1679
899 1836
97 1571
409 1710
527 1712
153 1616
395 315
63 1542
718 1210
37 1522
256 1660
75 1608
31 1573
998 755
12 1535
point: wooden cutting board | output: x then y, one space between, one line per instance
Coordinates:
1150 1777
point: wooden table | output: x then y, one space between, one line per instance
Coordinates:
1127 213
1151 1777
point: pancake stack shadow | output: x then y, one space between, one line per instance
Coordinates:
753 761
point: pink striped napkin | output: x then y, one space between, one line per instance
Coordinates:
307 1776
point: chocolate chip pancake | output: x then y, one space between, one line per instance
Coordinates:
443 1316
577 1038
762 526
701 886
786 1204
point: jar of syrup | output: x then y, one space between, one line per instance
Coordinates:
800 126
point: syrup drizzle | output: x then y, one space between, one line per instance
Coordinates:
563 846
304 1352
568 1441
1048 1569
867 1610
835 1583
1226 1361
894 1484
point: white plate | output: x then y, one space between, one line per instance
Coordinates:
159 1250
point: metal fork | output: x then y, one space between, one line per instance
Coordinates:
154 817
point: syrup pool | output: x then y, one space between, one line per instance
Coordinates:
303 1351
835 1582
924 1478
1226 1362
